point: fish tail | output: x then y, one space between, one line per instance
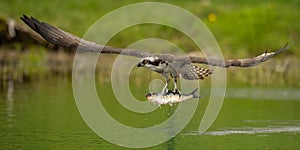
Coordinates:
195 93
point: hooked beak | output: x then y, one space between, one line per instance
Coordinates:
140 64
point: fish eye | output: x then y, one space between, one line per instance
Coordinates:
148 95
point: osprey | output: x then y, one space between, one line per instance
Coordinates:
174 68
165 64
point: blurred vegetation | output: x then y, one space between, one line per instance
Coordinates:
242 28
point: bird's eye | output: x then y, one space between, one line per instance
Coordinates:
146 61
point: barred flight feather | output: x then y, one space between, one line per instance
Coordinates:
195 72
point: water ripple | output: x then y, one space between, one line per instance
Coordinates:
254 130
260 93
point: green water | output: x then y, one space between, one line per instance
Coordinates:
44 115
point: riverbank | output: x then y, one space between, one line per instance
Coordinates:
36 62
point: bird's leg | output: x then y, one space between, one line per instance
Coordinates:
175 86
165 89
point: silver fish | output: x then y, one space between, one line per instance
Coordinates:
170 97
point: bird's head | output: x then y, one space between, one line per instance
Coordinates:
151 62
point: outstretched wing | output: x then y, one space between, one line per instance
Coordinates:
245 62
52 34
61 38
191 72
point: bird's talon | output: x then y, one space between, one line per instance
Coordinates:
164 91
176 91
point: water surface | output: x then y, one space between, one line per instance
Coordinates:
43 115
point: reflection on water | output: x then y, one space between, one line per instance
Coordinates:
10 100
43 115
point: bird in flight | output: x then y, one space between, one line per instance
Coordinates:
174 69
165 64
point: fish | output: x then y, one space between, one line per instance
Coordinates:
170 97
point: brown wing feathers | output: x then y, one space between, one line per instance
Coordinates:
195 72
61 38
